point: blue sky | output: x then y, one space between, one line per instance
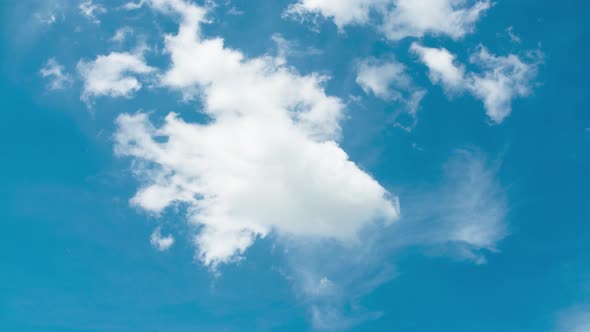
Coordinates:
295 165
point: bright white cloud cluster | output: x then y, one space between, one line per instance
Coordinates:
397 19
267 161
342 12
389 81
55 73
113 75
411 18
160 242
502 78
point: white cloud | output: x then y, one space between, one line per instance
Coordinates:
513 37
267 162
54 72
443 67
162 243
91 10
121 34
453 18
397 19
113 75
504 78
133 5
342 12
388 80
500 80
382 78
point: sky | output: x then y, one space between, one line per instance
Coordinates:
295 165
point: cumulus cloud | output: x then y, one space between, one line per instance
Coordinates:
397 19
113 75
342 12
504 78
55 73
443 67
161 243
500 79
453 18
90 10
268 160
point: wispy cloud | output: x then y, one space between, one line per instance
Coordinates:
513 37
387 79
121 34
91 10
288 48
56 75
235 11
466 213
48 19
